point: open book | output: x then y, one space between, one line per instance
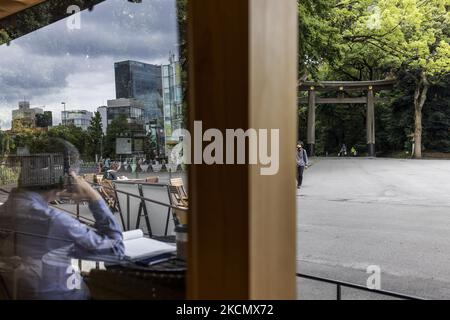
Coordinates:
137 247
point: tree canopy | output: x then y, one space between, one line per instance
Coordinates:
376 39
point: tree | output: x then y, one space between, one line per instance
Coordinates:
4 37
6 144
72 134
317 36
383 37
95 136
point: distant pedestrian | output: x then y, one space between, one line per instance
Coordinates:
343 151
113 173
107 163
353 151
302 163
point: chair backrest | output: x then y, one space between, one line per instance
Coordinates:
152 179
108 194
157 213
177 198
178 183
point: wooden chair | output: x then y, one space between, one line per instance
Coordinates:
179 202
89 177
178 183
177 199
152 179
108 194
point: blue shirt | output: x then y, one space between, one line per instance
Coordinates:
46 239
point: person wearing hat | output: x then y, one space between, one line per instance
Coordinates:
302 163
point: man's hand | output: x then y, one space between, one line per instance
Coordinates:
83 190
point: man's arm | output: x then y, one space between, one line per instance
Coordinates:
108 234
105 238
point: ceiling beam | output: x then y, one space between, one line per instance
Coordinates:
35 14
9 7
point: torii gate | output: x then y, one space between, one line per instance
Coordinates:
369 87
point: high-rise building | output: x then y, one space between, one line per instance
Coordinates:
78 118
141 81
130 141
30 118
172 101
103 110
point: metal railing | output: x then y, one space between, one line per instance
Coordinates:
340 284
142 200
125 223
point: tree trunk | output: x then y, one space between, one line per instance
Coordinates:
420 96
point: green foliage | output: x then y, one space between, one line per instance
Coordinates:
4 37
183 48
94 137
8 175
72 134
317 36
376 39
386 35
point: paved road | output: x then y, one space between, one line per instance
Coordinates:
353 213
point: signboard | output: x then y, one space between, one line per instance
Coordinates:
138 145
124 146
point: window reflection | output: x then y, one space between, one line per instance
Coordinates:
88 103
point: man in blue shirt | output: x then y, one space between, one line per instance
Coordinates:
45 239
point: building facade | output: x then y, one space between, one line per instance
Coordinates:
172 102
141 81
26 117
44 120
130 141
78 118
103 110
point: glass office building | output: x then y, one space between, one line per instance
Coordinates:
133 110
78 118
141 81
172 101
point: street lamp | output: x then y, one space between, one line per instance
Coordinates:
65 115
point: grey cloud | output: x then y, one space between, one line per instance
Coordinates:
115 27
50 61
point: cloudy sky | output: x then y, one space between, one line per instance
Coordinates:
56 63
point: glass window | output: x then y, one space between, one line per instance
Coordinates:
116 53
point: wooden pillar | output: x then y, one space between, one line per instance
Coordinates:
370 126
311 130
243 74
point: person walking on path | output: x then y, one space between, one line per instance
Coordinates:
343 151
302 163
